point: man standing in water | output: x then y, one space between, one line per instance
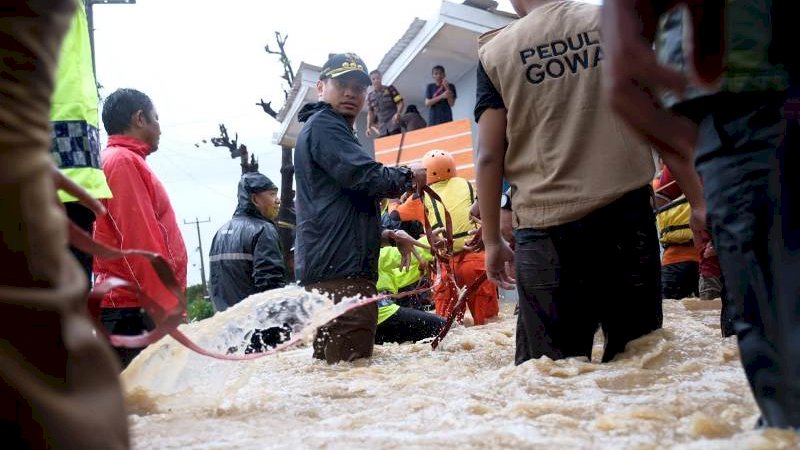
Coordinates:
580 187
139 216
339 188
742 129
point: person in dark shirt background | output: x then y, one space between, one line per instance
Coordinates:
439 98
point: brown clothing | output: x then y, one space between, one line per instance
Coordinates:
411 121
568 154
383 105
351 335
59 384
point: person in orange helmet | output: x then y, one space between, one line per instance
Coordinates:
457 196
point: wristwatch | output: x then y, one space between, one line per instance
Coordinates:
505 202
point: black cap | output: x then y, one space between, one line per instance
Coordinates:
339 64
254 182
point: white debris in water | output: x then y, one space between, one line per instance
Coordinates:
681 387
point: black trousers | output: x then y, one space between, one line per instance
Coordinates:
748 155
408 325
126 322
84 218
602 270
680 280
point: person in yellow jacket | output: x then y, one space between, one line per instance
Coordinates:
75 143
457 196
400 323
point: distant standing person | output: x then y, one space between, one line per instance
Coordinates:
439 98
412 119
385 105
246 256
139 216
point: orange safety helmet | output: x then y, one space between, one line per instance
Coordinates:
439 165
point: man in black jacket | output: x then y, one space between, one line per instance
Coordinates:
339 188
246 256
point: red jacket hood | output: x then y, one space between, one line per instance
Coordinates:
133 144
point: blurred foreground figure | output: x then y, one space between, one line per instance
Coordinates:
59 381
740 121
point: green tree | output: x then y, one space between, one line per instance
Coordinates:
197 305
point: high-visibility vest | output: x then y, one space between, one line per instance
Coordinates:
458 196
672 221
391 278
74 117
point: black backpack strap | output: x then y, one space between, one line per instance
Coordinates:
439 221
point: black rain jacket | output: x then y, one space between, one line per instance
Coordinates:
339 188
246 256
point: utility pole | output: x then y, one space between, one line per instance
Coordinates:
197 223
90 20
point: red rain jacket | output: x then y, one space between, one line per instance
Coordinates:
140 216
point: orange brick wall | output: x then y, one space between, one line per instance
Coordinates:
455 137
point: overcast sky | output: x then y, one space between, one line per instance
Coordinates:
203 63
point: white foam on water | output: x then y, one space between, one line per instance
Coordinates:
681 387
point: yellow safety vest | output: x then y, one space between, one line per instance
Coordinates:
74 118
458 196
672 221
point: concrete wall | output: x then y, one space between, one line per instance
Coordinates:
465 104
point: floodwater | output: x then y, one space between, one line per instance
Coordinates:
681 387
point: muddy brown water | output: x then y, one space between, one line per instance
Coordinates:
681 387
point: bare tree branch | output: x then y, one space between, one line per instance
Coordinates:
267 107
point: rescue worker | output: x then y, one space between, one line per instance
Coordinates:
398 323
680 260
458 196
59 387
339 189
580 187
246 255
139 216
75 134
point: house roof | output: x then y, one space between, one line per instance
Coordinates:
398 48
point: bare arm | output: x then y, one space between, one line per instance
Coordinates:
400 106
632 76
449 94
491 152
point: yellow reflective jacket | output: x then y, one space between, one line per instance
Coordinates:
391 278
672 221
74 118
458 196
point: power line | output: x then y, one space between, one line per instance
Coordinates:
197 223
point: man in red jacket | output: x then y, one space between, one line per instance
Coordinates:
139 215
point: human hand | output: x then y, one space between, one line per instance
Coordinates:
407 246
697 222
633 77
499 258
420 175
475 244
